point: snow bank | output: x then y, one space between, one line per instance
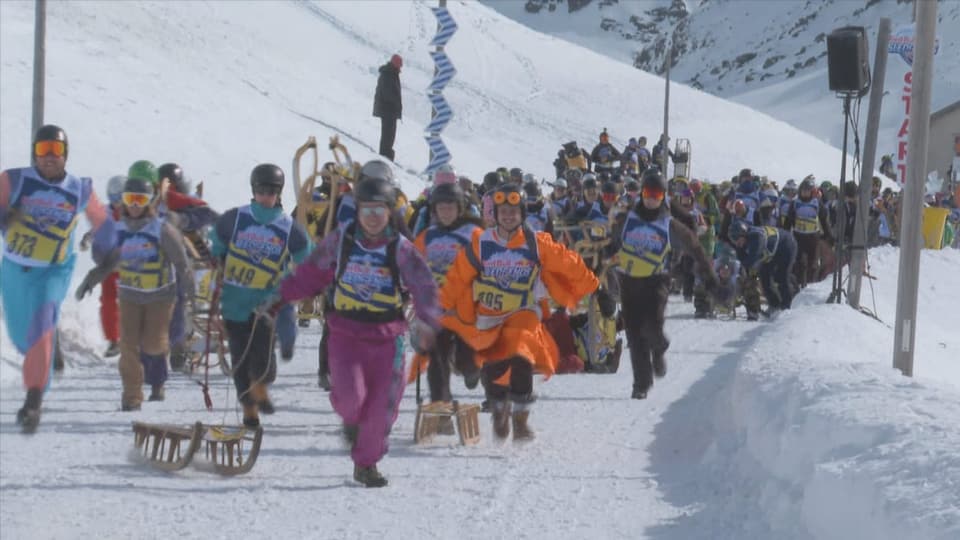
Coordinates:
827 425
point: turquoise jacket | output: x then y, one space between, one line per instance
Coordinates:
238 303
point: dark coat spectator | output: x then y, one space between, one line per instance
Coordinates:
388 104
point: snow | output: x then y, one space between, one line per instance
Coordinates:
795 428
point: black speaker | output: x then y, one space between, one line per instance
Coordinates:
849 69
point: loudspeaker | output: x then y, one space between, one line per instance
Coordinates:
848 67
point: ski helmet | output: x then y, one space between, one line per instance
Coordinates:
653 179
589 183
444 175
631 186
447 193
560 183
609 188
267 175
507 190
490 180
372 189
738 230
51 132
135 184
532 191
376 168
174 173
516 174
115 188
807 183
144 170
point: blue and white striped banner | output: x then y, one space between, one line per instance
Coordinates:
445 71
443 113
441 156
447 27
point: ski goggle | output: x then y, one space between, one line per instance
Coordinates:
512 198
135 200
267 190
372 211
610 197
652 193
43 148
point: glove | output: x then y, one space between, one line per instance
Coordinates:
86 240
606 303
422 336
11 217
86 286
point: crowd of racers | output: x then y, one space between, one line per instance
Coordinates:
506 277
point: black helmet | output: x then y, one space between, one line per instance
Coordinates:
491 179
603 178
377 169
516 173
610 188
267 174
371 189
174 173
631 185
745 173
589 183
138 185
532 190
738 229
653 179
447 193
51 132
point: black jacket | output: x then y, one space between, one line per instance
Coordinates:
387 102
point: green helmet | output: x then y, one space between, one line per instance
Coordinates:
145 170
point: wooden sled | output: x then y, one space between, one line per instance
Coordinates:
230 450
465 418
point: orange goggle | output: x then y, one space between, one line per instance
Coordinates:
136 200
652 193
42 148
610 197
512 198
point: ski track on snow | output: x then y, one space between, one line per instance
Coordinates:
89 460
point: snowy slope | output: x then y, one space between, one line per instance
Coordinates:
746 437
770 56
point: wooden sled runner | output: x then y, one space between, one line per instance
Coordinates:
230 450
465 417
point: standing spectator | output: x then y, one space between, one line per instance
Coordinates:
388 104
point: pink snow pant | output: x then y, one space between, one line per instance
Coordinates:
368 381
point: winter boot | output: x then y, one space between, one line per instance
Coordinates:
471 379
113 349
28 417
638 393
156 393
303 323
178 359
251 415
286 353
613 361
369 476
501 418
129 407
258 391
522 431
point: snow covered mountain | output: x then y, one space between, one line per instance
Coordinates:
770 56
796 428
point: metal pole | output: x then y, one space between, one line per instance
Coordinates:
664 137
858 250
835 296
905 328
39 61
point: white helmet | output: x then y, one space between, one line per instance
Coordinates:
560 183
115 188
